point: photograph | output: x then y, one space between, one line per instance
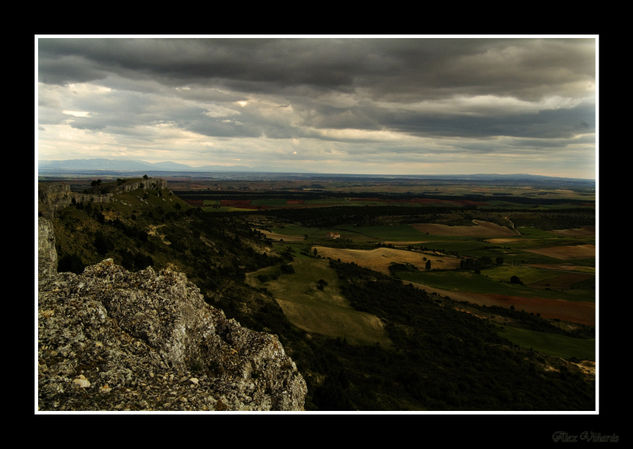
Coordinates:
318 224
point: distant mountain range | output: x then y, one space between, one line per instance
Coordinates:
123 165
128 166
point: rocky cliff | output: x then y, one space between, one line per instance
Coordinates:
53 196
110 339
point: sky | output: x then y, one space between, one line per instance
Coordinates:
323 104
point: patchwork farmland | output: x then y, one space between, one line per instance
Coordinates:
388 295
529 250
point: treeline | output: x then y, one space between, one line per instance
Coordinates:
357 215
444 359
386 196
559 219
532 321
461 215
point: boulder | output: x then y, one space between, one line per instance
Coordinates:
111 339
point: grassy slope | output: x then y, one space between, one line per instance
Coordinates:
553 344
324 311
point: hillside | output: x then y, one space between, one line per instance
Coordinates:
438 354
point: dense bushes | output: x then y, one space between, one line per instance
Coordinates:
444 359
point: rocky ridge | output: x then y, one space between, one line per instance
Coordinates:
111 339
54 196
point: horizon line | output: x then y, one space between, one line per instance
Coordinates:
244 169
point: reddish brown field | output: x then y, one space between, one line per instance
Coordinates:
575 311
563 281
566 252
236 203
422 201
577 232
564 267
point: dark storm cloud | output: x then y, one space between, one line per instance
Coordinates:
544 124
252 64
388 68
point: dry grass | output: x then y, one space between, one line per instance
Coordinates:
282 237
502 240
152 230
379 259
335 321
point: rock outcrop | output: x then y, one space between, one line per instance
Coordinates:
110 339
53 196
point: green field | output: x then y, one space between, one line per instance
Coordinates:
465 281
311 300
497 281
397 232
552 344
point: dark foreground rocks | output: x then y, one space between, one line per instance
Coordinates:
110 339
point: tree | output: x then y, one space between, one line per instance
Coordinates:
102 243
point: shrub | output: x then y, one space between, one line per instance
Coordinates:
515 280
287 269
102 243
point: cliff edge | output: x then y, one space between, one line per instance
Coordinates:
111 339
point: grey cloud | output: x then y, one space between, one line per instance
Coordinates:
300 70
394 68
62 69
544 124
554 123
409 86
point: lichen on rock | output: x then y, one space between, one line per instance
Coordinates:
111 339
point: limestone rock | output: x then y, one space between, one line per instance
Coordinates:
47 256
110 339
